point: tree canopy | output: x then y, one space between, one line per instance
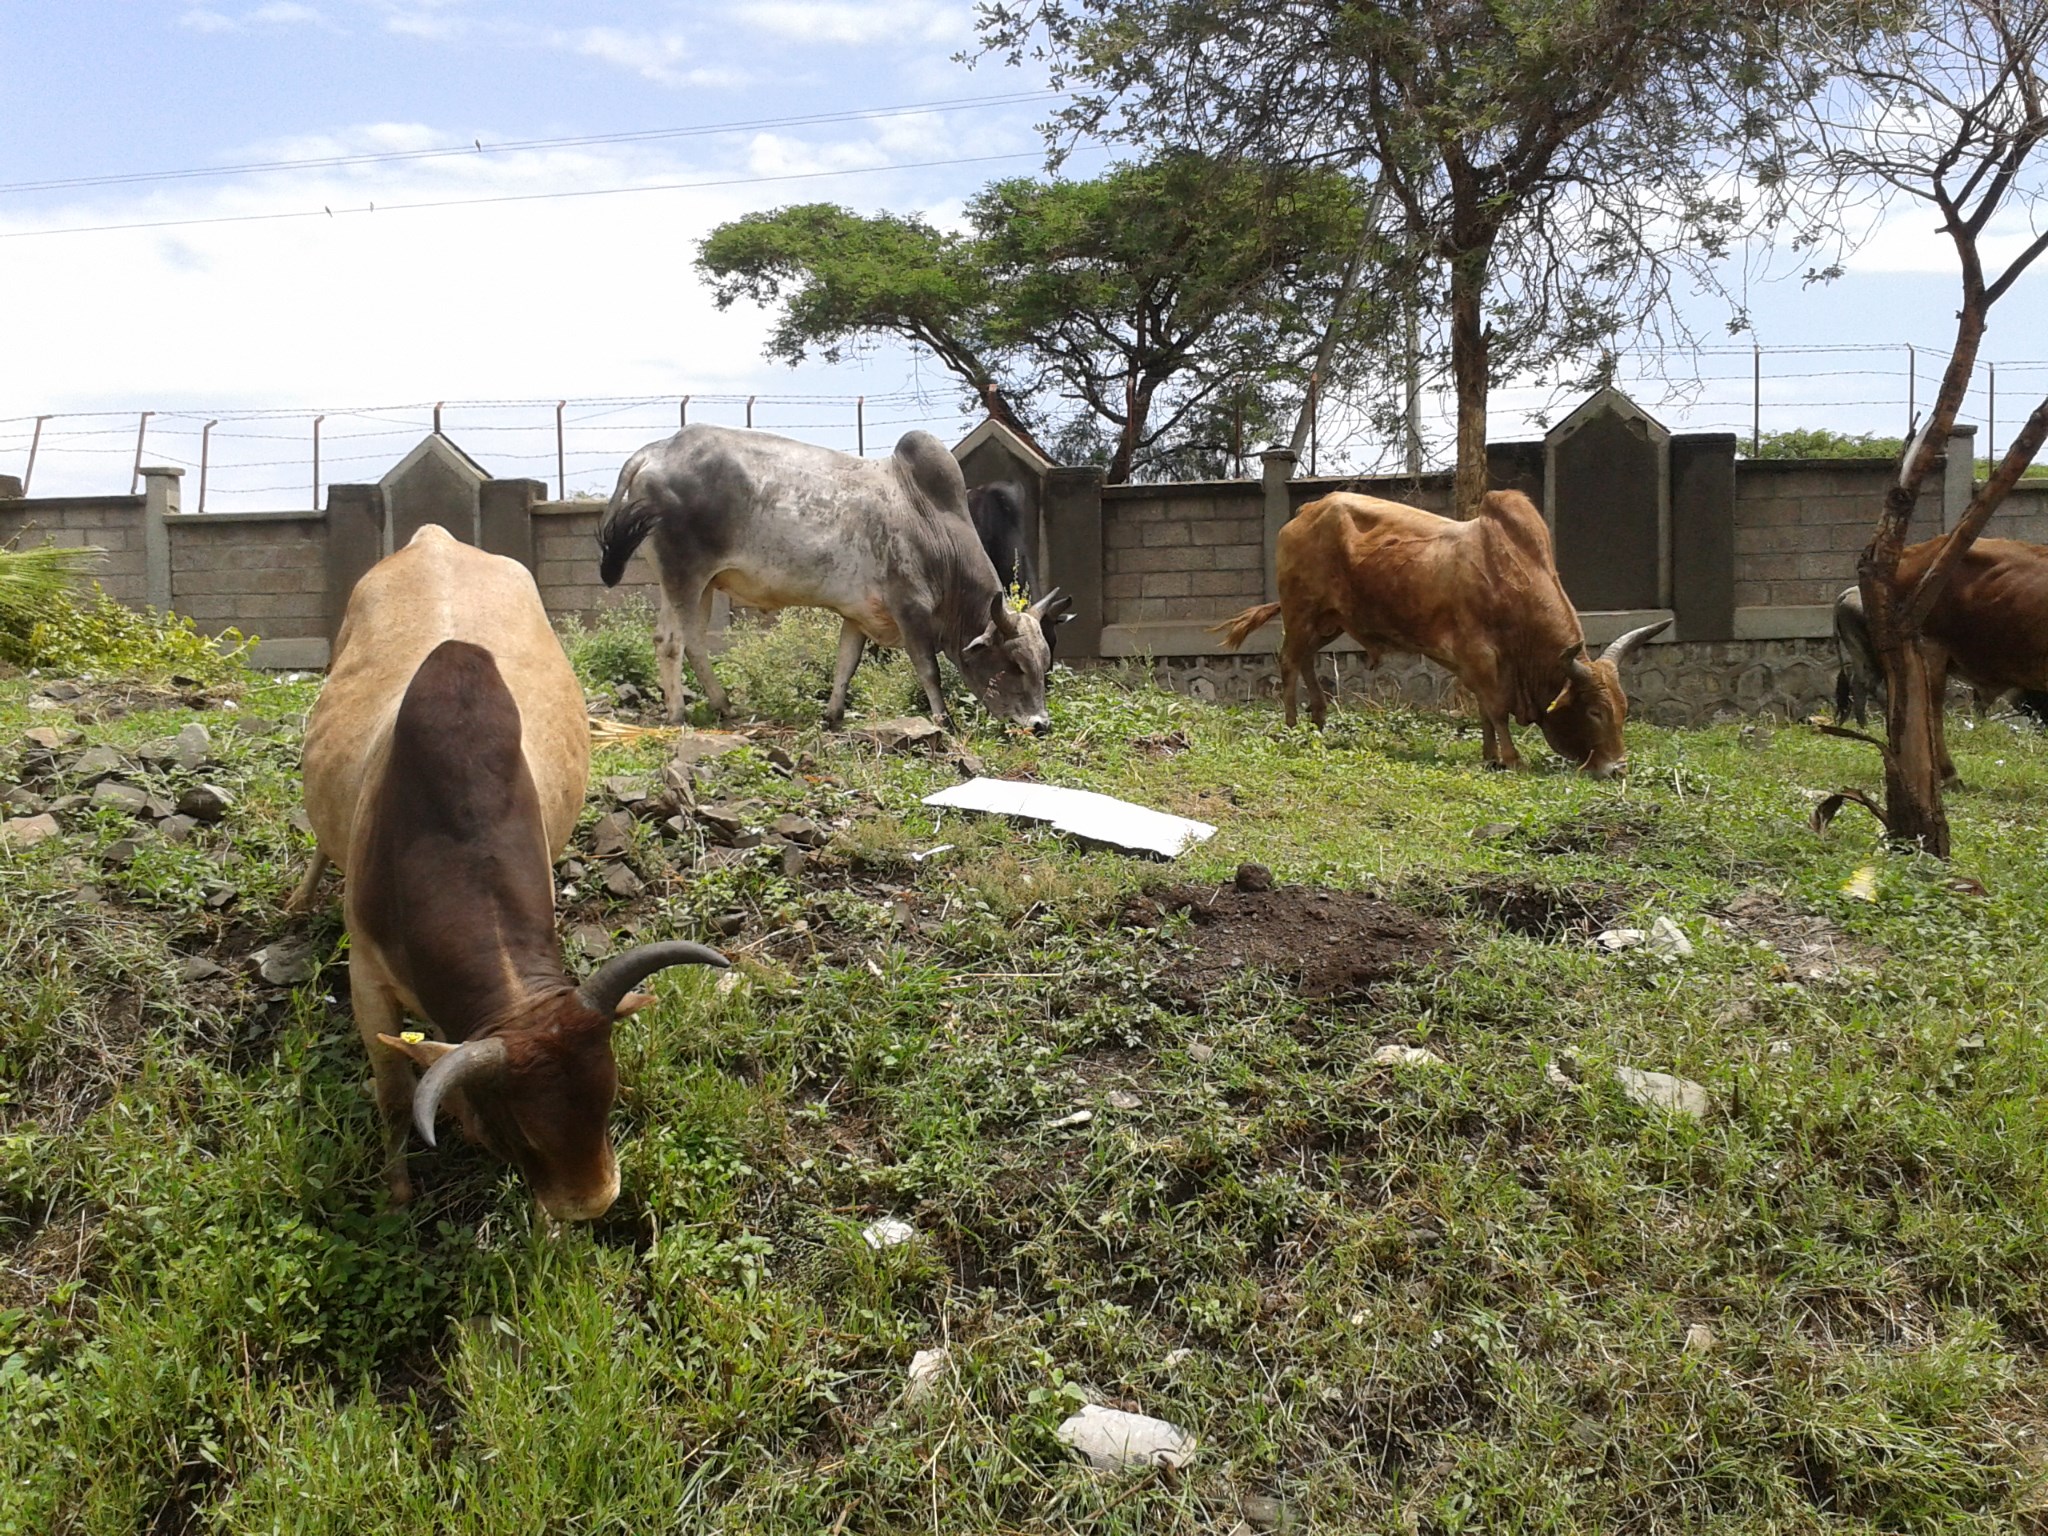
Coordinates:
1135 319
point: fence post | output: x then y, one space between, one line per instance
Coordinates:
1315 401
34 443
159 506
1912 379
750 412
561 470
141 427
1756 399
316 461
205 450
684 414
437 418
1990 426
860 425
1276 466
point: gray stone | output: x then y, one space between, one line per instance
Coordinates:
620 881
192 747
50 738
1200 1054
22 802
62 692
1492 831
793 860
197 968
119 855
1660 1090
927 1371
1112 1440
65 805
627 790
162 752
596 942
612 835
219 898
177 829
205 802
27 831
723 820
299 819
95 764
570 869
286 963
694 748
801 830
109 795
906 733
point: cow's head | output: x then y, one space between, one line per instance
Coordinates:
538 1090
1006 663
1583 723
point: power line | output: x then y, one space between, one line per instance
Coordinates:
511 197
477 146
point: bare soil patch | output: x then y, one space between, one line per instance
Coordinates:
1549 912
1326 943
1812 948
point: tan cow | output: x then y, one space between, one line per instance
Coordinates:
1481 599
444 765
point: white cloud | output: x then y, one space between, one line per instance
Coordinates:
659 57
200 19
858 22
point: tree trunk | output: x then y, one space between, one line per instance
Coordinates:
1468 370
1912 768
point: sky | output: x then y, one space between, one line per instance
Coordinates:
562 271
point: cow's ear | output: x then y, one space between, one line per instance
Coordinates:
423 1052
980 642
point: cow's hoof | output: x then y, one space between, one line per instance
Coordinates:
1493 765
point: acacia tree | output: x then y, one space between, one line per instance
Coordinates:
1554 162
1133 317
1950 112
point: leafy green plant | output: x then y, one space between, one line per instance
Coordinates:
96 636
618 648
35 583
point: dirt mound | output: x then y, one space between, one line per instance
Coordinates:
1538 911
1327 943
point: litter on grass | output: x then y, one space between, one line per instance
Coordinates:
1080 813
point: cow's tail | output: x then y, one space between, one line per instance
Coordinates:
627 521
1236 631
1859 676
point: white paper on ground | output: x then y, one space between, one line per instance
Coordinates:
1081 812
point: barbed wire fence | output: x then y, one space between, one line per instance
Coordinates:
283 458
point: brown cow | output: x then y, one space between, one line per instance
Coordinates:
1480 599
444 765
1989 626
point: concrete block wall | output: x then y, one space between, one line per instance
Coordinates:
263 573
2022 515
565 562
115 523
1800 524
1185 551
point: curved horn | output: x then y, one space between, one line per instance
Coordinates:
1625 647
608 985
472 1059
1048 600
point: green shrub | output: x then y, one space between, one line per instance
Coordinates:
618 649
780 669
97 636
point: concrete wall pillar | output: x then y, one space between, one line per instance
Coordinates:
505 517
355 542
1072 518
1703 536
159 501
1276 469
1958 476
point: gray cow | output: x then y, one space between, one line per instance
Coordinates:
884 543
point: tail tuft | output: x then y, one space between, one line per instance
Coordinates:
1236 631
625 525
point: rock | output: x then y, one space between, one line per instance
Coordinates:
1492 831
697 747
887 1232
1669 940
1557 1077
628 695
158 808
927 1370
1254 877
969 764
192 747
50 738
723 820
160 753
1405 1056
286 964
906 733
612 835
299 819
781 759
729 923
1200 1054
620 881
205 802
22 802
1660 1090
722 858
1264 1513
62 692
793 860
1112 1440
627 790
1699 1340
110 795
595 941
197 968
1068 1122
1614 939
27 831
119 855
570 869
177 829
219 898
1120 1098
801 830
94 764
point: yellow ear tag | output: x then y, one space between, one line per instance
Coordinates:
1562 694
411 1036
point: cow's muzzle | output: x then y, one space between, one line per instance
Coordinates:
1041 726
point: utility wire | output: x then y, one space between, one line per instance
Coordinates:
477 146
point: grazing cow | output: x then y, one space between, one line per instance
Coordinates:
885 544
1990 626
1480 599
444 766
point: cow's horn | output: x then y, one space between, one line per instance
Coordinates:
607 986
472 1059
1627 645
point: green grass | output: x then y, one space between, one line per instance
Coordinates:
1398 1299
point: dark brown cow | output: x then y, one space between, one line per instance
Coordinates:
1480 599
444 766
1989 626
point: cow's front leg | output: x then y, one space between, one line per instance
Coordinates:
924 660
851 642
668 657
377 1013
1498 744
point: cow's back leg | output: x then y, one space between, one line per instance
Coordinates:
689 601
375 1004
1299 645
302 898
851 642
1937 688
668 657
